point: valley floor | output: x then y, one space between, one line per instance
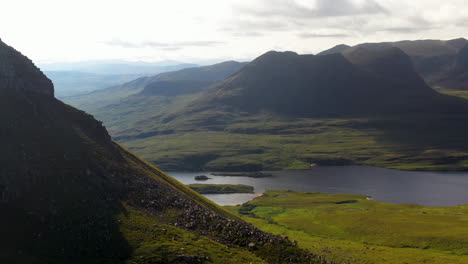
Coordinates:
257 143
352 229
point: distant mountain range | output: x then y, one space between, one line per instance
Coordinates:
283 110
70 194
84 77
117 67
437 61
68 83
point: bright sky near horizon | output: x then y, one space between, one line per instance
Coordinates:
214 30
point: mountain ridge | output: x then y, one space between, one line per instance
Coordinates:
434 60
361 83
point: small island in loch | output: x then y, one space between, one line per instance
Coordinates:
221 188
202 178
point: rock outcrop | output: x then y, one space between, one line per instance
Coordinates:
19 73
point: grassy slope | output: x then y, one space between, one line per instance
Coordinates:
364 231
153 240
157 242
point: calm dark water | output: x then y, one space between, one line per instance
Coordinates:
393 186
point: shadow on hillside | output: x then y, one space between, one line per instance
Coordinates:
422 133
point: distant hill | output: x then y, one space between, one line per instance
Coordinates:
288 111
373 83
434 60
69 194
84 77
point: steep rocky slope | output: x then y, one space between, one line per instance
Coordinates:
69 194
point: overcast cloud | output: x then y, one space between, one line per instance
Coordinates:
213 30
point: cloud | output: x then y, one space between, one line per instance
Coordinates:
185 30
318 35
313 8
405 29
168 46
254 27
248 34
262 17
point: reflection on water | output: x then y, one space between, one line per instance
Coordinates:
393 186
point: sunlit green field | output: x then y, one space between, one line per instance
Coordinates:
462 94
352 229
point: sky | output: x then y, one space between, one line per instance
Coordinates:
199 31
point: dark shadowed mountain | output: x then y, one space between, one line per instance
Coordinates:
434 60
369 83
69 194
456 75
